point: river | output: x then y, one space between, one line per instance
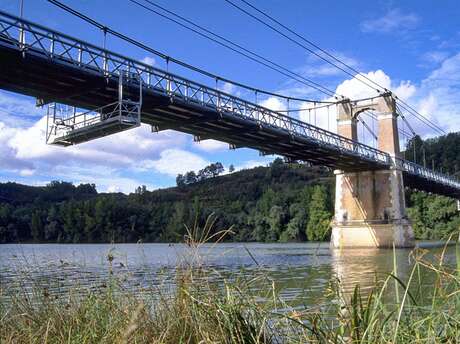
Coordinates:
302 271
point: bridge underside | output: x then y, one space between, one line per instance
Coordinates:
36 76
57 80
417 182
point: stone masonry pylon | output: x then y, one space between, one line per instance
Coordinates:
370 205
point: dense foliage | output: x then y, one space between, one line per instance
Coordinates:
282 202
441 153
432 216
261 204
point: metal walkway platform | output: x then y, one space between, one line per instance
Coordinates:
64 126
87 126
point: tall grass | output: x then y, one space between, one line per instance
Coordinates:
201 311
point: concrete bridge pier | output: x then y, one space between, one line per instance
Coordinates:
370 205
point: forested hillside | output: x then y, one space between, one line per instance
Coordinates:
433 216
282 202
441 153
261 204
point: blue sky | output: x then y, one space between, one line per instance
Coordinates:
412 47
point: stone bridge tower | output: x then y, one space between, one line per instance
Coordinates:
370 205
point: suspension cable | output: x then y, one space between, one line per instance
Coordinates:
228 44
365 125
166 57
313 44
420 117
427 122
296 42
219 37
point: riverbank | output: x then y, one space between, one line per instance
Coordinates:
238 309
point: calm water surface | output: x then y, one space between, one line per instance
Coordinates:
302 271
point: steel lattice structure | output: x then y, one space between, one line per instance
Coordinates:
90 75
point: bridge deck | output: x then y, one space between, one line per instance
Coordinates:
55 67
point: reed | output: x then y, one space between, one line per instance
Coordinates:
197 310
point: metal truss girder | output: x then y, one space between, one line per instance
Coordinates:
63 63
76 53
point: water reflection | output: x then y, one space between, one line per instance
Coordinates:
367 268
373 267
302 272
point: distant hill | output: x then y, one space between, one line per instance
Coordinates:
260 203
19 194
281 202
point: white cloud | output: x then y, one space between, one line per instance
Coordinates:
175 161
354 89
119 150
323 117
230 88
319 68
436 97
8 159
26 172
17 106
274 104
440 93
227 88
434 57
107 179
104 161
148 60
453 42
428 105
393 21
15 112
254 163
211 145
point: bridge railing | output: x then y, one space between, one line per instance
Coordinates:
29 37
34 38
66 120
418 170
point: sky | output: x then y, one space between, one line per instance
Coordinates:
410 47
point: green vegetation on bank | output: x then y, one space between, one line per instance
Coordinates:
282 202
441 153
262 204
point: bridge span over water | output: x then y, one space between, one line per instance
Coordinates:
120 93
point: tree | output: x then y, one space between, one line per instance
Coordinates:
211 171
414 150
140 190
190 177
432 217
295 229
52 226
282 202
180 180
36 226
216 169
86 189
276 220
318 226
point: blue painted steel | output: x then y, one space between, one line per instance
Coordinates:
62 48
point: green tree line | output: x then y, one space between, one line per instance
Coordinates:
281 202
277 203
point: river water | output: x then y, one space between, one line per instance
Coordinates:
302 271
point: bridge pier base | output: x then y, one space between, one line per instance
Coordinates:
370 209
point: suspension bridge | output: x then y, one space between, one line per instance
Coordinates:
92 92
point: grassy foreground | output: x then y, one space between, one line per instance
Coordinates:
199 311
